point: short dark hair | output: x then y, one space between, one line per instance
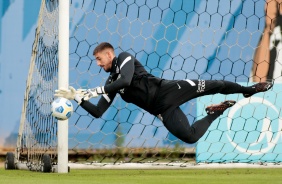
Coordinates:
102 46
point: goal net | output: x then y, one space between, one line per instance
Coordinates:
195 39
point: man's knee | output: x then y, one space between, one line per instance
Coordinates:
190 139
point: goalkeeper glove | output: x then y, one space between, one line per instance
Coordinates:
66 93
91 93
70 94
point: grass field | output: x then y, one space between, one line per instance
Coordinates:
182 176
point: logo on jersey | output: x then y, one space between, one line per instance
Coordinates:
121 91
117 70
179 87
201 86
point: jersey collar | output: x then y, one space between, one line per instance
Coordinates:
114 65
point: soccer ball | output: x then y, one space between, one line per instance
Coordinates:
62 108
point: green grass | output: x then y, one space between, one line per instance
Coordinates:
182 176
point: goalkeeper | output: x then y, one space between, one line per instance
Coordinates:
159 97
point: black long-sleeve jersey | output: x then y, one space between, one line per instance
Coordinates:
134 84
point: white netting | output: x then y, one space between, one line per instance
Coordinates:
38 129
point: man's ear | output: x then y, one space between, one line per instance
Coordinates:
110 54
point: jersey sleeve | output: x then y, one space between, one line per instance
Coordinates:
103 104
98 110
126 67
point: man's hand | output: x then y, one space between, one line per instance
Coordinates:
66 93
91 93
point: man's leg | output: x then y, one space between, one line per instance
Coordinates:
177 123
174 93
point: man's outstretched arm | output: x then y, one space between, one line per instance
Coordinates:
77 95
97 111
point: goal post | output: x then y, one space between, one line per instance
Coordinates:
173 39
63 82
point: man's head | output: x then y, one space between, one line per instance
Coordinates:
104 54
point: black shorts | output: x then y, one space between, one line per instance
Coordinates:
174 93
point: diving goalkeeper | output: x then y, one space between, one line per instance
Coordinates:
158 96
